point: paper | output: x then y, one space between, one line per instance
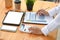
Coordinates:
0 28
31 17
58 34
24 28
13 17
9 28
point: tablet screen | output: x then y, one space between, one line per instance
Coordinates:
13 17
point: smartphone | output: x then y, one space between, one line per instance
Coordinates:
24 28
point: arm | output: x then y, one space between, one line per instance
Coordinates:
51 26
51 12
54 10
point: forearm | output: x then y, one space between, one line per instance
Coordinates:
54 10
51 26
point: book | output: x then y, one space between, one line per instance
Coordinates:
31 17
9 28
13 18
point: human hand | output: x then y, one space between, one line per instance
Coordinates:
42 12
35 30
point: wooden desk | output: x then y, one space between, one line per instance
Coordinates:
24 36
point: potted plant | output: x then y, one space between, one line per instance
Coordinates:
29 4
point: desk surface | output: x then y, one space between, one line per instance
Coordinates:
24 36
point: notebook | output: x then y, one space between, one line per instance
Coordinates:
9 28
31 17
13 18
24 28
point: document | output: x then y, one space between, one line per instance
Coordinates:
31 17
13 18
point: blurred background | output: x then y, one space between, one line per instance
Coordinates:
52 0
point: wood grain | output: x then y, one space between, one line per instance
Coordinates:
24 36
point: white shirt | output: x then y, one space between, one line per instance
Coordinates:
54 23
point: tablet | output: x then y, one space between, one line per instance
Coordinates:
13 18
9 28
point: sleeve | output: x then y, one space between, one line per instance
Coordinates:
54 10
51 26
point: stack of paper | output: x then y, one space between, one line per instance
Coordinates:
31 17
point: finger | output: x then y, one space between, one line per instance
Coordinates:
30 29
38 13
33 29
41 13
45 13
